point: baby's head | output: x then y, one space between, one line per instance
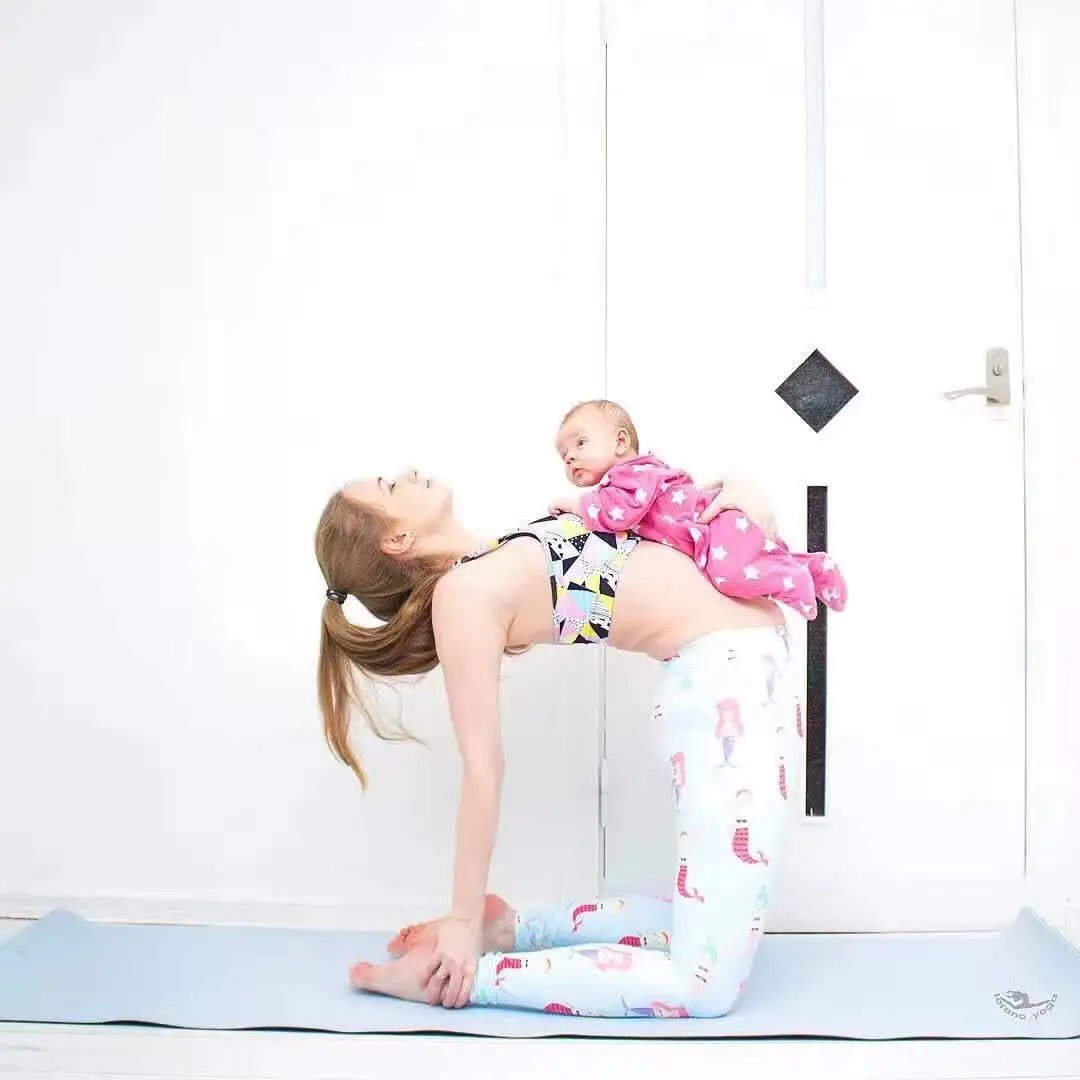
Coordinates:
594 436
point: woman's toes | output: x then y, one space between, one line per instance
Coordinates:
360 975
405 978
397 946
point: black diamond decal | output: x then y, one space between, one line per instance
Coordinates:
816 390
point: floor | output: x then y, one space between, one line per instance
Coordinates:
74 1052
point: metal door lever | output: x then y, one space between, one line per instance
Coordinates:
996 389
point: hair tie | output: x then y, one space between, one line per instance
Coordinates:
337 597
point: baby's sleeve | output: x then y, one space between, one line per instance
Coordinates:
622 499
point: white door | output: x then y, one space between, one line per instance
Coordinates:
770 195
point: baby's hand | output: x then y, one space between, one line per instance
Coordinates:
565 504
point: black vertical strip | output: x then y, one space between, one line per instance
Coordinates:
817 539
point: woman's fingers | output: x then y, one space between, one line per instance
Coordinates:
713 509
466 988
453 989
435 980
762 517
459 987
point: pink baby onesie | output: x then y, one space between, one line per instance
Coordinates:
661 503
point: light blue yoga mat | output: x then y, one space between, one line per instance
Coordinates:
1021 982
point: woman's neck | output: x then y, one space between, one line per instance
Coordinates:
452 542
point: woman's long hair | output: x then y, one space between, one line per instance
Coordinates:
399 592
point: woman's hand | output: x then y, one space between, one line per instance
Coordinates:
457 952
737 493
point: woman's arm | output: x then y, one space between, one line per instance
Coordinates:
470 636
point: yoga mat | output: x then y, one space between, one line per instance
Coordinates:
1023 982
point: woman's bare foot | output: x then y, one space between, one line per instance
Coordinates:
497 934
405 978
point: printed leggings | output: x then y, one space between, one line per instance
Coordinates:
725 714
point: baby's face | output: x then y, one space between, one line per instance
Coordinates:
589 443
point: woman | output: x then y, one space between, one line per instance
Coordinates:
724 709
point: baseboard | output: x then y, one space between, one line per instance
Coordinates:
187 911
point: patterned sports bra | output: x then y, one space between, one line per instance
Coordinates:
584 570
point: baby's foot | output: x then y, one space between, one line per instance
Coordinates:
829 583
497 934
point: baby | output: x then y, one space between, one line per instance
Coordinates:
598 445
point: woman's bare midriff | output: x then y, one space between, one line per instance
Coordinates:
662 600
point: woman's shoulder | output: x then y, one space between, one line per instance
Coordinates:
489 570
484 594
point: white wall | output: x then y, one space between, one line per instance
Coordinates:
1048 33
251 251
245 259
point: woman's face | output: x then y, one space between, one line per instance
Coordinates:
413 503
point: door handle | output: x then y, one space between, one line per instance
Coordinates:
996 390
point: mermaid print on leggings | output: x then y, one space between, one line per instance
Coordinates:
723 714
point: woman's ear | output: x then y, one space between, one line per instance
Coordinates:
398 544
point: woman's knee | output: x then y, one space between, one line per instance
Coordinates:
714 1003
711 993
